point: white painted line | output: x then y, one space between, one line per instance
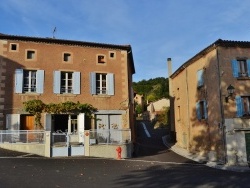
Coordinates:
145 129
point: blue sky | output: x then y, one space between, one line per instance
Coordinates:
156 29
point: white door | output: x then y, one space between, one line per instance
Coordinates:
81 125
13 121
102 126
115 128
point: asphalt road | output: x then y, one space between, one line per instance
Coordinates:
154 166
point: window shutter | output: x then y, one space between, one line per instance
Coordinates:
110 78
19 81
93 83
235 68
205 109
198 112
39 81
239 106
200 78
76 82
57 82
248 67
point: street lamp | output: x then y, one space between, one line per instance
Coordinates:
230 91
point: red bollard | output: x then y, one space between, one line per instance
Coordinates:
119 151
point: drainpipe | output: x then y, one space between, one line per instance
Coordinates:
221 107
188 122
171 100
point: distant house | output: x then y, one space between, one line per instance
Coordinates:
57 70
139 99
156 107
211 101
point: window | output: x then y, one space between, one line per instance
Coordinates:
102 83
112 55
29 81
66 82
201 109
67 57
101 59
200 78
241 68
13 47
30 54
242 105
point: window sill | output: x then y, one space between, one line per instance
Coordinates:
66 95
101 96
243 78
31 94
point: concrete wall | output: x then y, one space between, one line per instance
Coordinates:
109 151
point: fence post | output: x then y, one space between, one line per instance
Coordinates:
47 143
86 143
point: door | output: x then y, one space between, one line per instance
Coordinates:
102 126
27 122
115 128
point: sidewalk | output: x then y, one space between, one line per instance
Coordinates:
175 148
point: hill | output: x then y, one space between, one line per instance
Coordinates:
152 89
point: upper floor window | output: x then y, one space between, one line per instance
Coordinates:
102 83
200 78
101 59
30 54
112 55
14 47
66 82
201 109
67 57
241 67
31 81
242 105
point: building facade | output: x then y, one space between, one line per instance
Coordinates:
54 71
210 94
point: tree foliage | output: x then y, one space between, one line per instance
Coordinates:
36 107
152 89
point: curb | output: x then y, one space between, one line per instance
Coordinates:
198 159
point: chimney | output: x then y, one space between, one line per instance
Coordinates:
169 67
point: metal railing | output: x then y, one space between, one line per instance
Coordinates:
110 136
59 139
22 136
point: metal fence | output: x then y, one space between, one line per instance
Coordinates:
110 136
59 139
22 136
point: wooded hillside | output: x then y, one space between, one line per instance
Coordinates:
152 89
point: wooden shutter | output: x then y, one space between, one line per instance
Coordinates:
57 82
39 81
198 112
239 106
248 67
93 83
234 63
205 109
110 79
200 78
76 82
19 81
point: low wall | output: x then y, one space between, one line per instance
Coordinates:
109 151
36 148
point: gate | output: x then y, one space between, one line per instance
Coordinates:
66 144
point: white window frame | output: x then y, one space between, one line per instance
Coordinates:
29 81
68 80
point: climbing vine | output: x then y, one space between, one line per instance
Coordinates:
36 107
